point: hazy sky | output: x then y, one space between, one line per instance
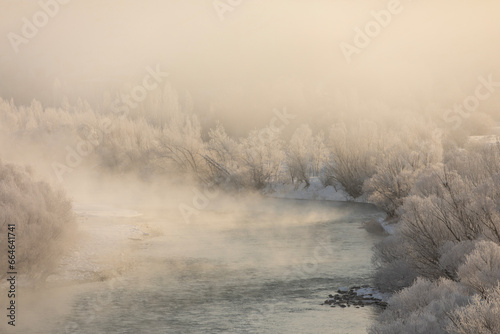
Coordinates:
263 55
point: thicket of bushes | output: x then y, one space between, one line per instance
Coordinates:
43 219
443 258
449 232
175 143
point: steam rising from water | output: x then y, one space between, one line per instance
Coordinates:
264 55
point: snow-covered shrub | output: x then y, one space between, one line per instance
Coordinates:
480 316
221 155
319 154
404 156
391 183
181 147
445 207
453 255
352 156
299 156
43 218
394 275
421 308
440 222
262 157
451 207
425 229
477 163
127 146
481 270
393 271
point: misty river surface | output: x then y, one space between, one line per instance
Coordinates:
267 271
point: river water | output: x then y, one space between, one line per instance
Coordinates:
265 269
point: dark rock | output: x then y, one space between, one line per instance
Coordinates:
350 296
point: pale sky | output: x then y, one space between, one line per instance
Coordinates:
263 55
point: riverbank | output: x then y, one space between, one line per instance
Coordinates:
318 192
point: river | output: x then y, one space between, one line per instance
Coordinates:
262 269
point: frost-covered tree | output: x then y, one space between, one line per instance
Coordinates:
43 218
319 154
262 157
181 147
444 208
352 156
480 316
453 255
405 154
222 155
305 155
422 308
299 155
395 272
481 269
443 218
128 146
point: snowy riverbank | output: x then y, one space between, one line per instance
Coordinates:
317 192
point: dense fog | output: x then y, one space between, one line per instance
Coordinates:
262 55
197 111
